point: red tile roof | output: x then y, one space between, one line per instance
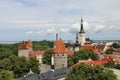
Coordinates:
32 54
39 52
101 46
95 62
59 47
111 56
23 45
70 52
35 53
90 47
29 43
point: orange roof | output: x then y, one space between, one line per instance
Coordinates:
101 46
32 54
40 52
95 62
70 52
90 47
35 53
59 47
112 56
29 43
23 45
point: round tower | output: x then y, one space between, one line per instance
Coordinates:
59 57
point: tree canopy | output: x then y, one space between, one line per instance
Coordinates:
47 56
12 47
112 65
87 72
109 51
82 54
5 52
115 45
35 68
6 75
42 45
19 65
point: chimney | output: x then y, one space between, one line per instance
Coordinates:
56 36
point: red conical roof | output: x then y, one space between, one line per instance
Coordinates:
59 47
29 43
23 45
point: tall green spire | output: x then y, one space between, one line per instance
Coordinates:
81 27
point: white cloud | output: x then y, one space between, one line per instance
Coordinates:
51 31
75 28
49 17
40 33
64 30
29 32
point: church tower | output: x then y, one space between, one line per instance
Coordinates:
59 57
82 34
77 45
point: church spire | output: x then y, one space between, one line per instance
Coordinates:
81 27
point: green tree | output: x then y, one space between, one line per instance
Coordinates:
84 55
6 75
12 47
5 53
47 56
110 64
42 45
87 72
34 65
19 65
117 66
115 45
70 60
109 51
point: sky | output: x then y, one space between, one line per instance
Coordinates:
42 19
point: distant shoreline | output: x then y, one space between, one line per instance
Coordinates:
96 41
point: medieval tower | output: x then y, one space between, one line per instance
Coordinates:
25 49
59 57
81 34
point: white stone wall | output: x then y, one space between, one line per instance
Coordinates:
82 38
24 53
77 48
39 58
60 61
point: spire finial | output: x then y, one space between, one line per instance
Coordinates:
81 18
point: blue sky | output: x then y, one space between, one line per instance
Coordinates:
41 19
